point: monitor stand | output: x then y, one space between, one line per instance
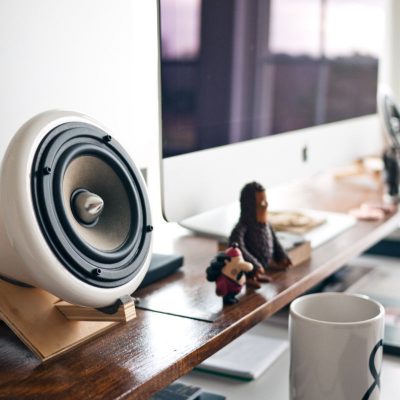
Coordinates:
219 223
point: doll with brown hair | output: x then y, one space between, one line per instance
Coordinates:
255 236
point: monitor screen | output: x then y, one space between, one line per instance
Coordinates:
234 70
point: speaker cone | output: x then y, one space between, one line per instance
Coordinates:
76 159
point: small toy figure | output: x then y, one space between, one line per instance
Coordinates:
228 270
255 236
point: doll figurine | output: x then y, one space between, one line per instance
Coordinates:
255 236
228 270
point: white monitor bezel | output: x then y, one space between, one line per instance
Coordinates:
192 185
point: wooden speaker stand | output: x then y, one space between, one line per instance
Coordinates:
49 326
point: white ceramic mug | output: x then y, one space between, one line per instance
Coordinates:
336 347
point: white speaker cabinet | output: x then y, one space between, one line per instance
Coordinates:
75 231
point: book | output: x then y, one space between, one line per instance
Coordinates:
181 391
178 391
299 253
210 396
246 358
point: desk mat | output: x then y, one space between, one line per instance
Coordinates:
188 294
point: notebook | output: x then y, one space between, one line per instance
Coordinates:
245 358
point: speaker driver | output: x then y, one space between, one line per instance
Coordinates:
78 158
88 183
89 205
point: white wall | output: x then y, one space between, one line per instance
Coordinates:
98 57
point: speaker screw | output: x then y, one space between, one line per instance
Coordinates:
107 138
96 271
47 170
149 228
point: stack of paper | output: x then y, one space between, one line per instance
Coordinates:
246 358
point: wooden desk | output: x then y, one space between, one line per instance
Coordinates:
137 359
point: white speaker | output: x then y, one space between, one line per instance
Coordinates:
74 213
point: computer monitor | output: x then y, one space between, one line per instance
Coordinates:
265 90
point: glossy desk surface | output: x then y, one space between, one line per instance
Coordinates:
137 359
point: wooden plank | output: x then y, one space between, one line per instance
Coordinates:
126 312
31 314
300 254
